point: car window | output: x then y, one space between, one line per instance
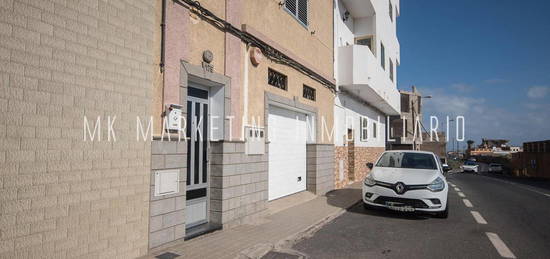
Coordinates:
407 160
469 163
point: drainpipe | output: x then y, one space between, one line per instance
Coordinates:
162 35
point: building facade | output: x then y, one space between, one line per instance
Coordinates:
406 129
62 194
262 97
366 57
533 161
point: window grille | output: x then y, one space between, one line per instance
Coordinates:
309 93
276 79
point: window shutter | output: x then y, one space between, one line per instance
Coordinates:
302 11
290 5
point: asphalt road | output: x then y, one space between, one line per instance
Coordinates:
517 218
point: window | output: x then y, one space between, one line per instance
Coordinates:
391 12
365 41
391 70
374 130
407 160
309 93
276 79
298 9
405 103
364 128
382 56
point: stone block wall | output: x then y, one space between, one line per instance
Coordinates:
60 196
361 156
238 185
167 212
320 164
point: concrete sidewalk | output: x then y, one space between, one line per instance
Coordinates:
251 241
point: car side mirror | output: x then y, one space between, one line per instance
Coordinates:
446 168
370 165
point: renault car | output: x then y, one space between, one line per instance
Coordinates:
407 181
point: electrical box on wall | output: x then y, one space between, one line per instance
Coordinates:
173 113
166 182
255 141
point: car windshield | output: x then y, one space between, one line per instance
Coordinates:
495 165
469 163
407 160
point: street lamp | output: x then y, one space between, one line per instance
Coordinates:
414 118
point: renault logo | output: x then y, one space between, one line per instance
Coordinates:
400 188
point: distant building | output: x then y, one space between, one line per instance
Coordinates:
491 143
436 145
402 126
534 161
494 147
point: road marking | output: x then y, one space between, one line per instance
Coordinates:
467 203
478 217
500 246
457 189
461 194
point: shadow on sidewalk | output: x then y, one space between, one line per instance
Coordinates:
350 200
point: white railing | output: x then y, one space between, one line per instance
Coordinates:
358 68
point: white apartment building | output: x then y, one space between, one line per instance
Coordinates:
366 51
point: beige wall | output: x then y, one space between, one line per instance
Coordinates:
315 50
258 86
266 16
275 22
61 197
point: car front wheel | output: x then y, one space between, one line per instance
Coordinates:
443 214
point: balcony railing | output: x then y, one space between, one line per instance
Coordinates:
360 73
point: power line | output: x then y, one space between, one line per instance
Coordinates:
270 52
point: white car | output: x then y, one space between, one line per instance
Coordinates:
495 168
470 166
407 181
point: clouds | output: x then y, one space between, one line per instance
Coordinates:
462 87
487 119
537 92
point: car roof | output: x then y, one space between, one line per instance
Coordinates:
410 151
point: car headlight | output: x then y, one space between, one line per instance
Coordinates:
369 180
437 185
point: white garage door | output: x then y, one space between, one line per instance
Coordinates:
287 152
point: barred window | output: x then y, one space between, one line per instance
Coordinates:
298 9
364 128
309 93
391 70
276 79
383 56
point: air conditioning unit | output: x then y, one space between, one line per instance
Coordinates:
254 141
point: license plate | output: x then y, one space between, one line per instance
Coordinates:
401 208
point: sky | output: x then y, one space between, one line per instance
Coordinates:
487 60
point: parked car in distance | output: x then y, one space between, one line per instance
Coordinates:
495 168
408 181
470 166
446 167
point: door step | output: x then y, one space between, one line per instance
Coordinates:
202 229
